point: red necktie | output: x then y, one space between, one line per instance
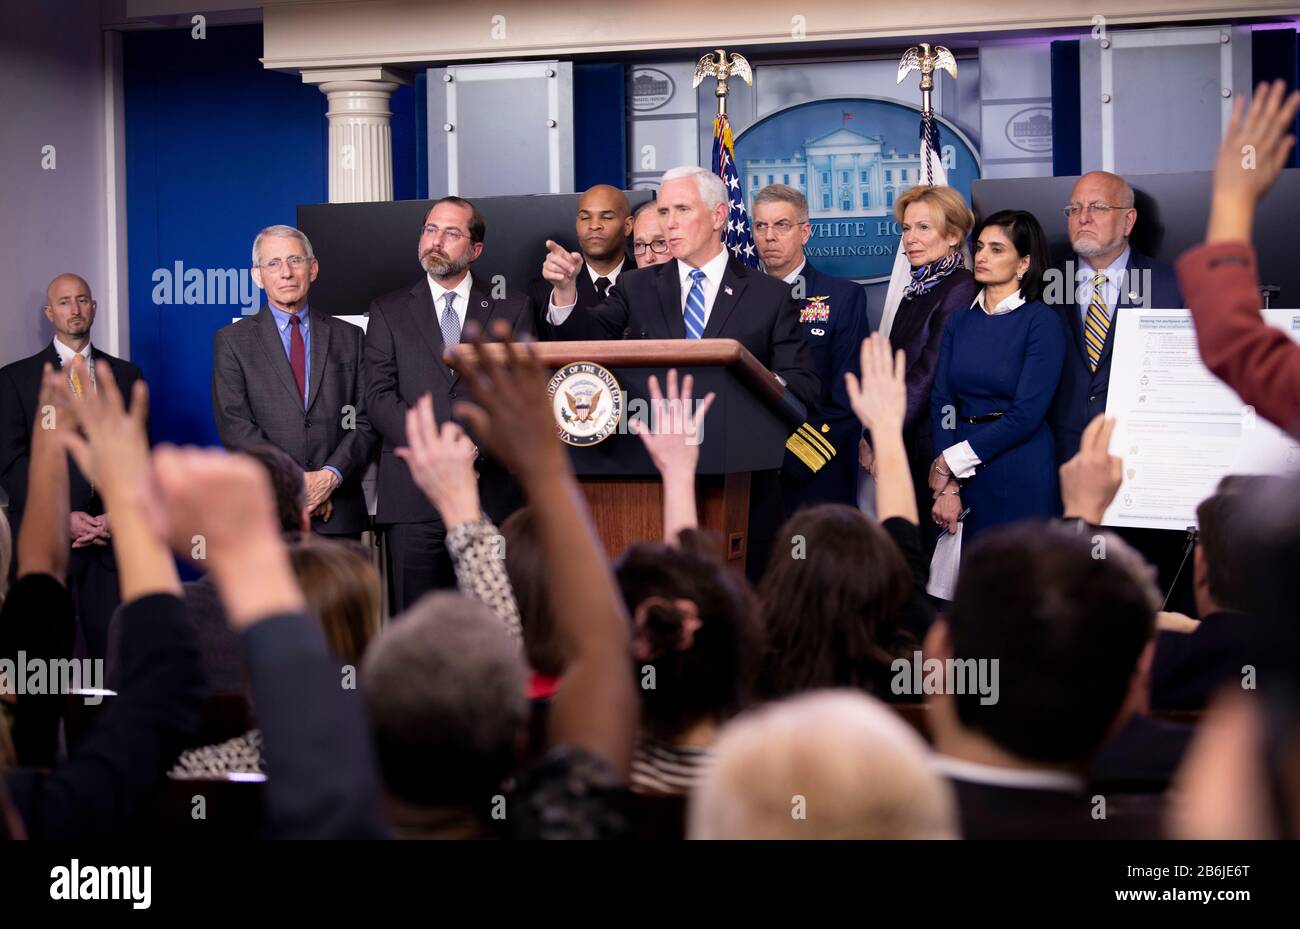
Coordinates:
298 355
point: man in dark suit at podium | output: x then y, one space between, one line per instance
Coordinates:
408 332
291 378
92 569
1106 276
704 292
821 462
603 224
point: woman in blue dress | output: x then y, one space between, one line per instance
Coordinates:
998 366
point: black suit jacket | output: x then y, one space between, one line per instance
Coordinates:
20 388
403 357
758 312
994 811
1190 666
1081 393
255 401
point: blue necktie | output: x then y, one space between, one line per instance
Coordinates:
694 315
450 322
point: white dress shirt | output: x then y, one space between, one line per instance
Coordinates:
460 304
961 458
790 278
612 276
1116 277
66 355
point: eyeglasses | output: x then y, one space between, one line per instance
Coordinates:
295 262
782 227
1097 209
451 235
658 246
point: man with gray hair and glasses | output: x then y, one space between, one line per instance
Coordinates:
292 378
1106 275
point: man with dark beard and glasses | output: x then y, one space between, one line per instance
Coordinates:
408 332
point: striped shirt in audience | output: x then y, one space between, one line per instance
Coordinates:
659 767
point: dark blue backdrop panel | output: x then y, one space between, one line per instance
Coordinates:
1275 53
217 147
1067 151
599 125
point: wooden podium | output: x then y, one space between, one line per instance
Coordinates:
745 431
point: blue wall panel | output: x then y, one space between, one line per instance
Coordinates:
217 147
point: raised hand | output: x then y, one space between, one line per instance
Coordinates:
1090 480
561 268
224 502
510 414
879 395
442 464
114 454
1257 143
675 431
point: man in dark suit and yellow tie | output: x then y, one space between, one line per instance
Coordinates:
408 332
291 378
92 569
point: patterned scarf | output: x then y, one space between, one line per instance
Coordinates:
926 276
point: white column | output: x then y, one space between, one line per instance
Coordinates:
360 140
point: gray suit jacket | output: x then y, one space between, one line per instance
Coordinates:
255 401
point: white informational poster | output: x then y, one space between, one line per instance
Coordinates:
1180 429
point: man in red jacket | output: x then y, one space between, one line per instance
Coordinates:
1219 279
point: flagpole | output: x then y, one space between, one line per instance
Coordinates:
925 58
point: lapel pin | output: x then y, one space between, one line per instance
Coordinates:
726 289
484 303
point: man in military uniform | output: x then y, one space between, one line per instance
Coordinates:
821 462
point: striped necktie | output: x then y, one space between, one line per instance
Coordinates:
694 315
1097 323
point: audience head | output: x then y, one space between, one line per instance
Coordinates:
935 221
451 238
70 308
649 245
822 765
692 207
1100 217
604 223
781 228
831 600
1010 245
1220 560
1069 617
446 691
287 486
284 266
526 569
341 588
694 622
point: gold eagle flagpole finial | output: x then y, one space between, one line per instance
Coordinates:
925 58
722 67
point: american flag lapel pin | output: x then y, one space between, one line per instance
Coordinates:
726 289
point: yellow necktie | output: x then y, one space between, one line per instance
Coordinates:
1097 323
75 381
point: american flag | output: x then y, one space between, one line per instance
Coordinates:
737 234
